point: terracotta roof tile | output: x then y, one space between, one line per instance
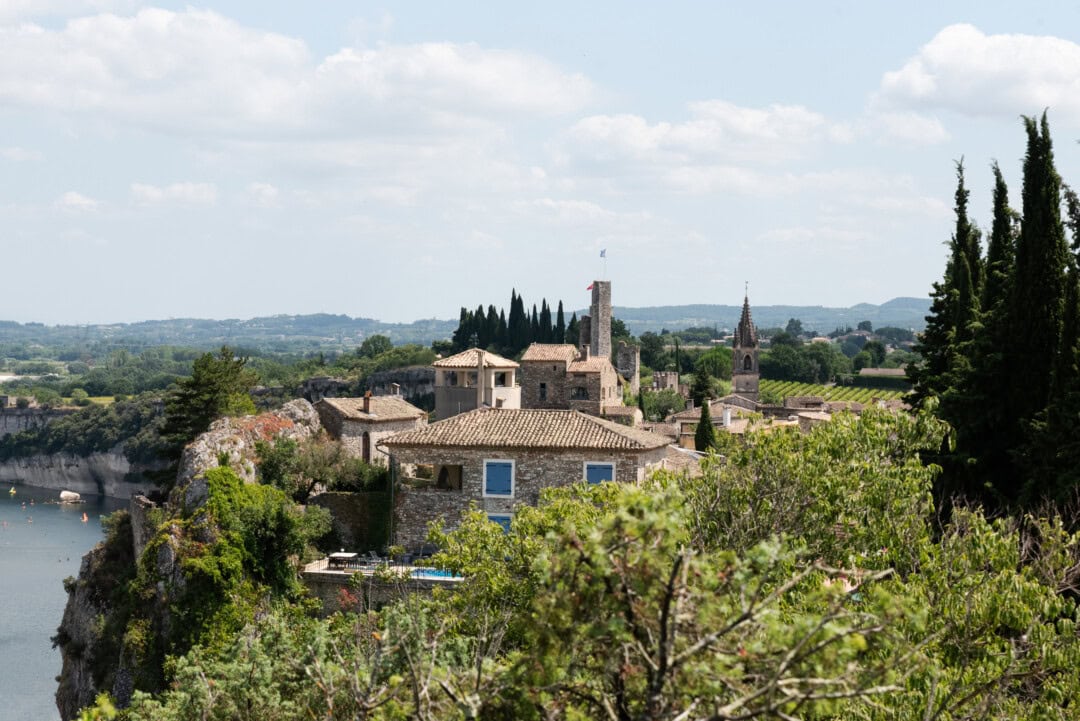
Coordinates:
528 428
593 365
467 359
383 408
551 352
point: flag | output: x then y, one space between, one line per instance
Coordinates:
603 253
590 286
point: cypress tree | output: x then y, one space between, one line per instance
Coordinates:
560 326
701 388
483 340
545 322
705 434
502 339
461 336
1039 287
572 330
534 326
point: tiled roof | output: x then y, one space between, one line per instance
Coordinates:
620 410
528 428
592 365
467 359
382 408
551 352
716 408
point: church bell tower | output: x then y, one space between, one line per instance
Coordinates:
745 372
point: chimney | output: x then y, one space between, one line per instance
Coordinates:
479 378
585 352
727 417
395 389
367 402
689 404
584 331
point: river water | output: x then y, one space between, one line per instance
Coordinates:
41 543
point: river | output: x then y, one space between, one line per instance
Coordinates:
41 543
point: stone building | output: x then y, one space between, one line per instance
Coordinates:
555 376
628 364
361 423
498 459
745 370
474 379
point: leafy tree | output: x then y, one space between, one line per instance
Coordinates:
716 362
794 327
701 387
654 354
866 326
375 345
219 385
876 350
862 359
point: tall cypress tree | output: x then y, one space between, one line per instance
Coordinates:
560 326
705 433
572 331
1039 287
545 322
534 326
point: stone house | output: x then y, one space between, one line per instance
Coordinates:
557 377
473 379
498 459
361 423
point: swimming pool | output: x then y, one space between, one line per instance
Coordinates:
432 573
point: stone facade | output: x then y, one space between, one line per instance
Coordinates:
628 364
361 432
472 379
551 378
534 470
600 319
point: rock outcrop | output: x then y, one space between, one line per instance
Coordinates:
93 659
105 474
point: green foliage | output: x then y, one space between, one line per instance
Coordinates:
806 363
716 362
299 468
133 424
375 345
661 404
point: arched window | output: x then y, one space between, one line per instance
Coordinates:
748 363
366 441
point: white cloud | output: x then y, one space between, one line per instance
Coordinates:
263 194
19 155
197 71
717 131
969 72
17 10
909 127
177 193
72 202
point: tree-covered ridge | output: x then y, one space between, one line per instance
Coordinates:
1001 344
801 577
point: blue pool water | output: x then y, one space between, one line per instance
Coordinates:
432 573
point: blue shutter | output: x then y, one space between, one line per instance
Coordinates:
599 472
503 521
498 478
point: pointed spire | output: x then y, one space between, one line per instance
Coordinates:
746 333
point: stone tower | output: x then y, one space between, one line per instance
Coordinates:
600 319
745 373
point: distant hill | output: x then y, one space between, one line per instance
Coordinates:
324 331
900 312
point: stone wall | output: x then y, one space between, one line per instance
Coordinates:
370 592
600 319
351 434
534 469
628 363
417 384
552 373
361 520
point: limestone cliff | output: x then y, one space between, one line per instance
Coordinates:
105 474
104 641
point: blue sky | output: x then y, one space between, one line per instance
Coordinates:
400 161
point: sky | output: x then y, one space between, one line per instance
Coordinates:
401 160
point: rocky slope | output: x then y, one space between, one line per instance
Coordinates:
100 646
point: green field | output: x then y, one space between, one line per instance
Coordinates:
785 389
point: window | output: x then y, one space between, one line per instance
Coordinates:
543 391
500 379
503 519
499 479
599 472
748 363
579 393
451 378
